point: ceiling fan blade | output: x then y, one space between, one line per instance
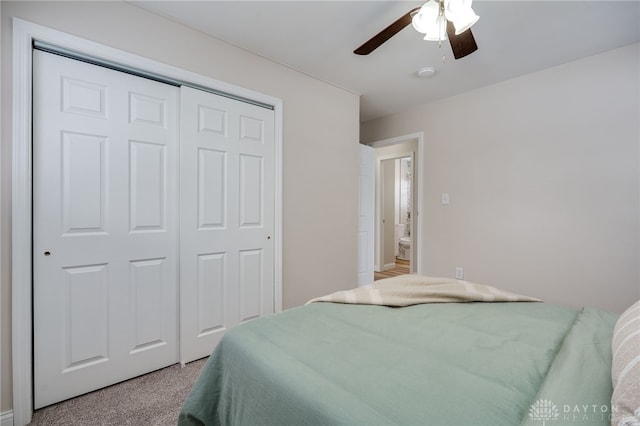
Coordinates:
384 35
462 44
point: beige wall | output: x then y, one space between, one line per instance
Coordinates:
320 141
543 175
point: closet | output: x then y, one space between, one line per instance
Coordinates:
153 218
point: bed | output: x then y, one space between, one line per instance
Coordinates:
349 361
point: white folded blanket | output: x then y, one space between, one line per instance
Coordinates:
406 290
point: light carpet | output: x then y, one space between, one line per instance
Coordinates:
153 399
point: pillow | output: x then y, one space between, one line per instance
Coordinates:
625 369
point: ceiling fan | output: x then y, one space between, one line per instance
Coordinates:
437 19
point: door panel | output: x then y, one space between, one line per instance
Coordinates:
211 282
251 184
212 184
251 283
104 225
87 319
83 183
366 215
226 217
148 186
146 297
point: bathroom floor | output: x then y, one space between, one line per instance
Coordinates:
402 267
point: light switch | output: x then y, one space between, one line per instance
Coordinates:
445 198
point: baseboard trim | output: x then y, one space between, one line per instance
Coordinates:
6 418
389 266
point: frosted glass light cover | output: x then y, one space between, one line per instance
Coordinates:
438 31
465 22
425 19
460 13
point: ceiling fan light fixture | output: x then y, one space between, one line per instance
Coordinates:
432 21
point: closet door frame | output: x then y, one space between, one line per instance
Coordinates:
24 35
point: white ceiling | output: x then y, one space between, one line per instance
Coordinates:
515 37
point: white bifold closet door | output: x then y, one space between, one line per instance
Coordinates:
226 217
153 223
105 156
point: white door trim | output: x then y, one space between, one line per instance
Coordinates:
24 33
416 248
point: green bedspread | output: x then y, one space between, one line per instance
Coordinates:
436 364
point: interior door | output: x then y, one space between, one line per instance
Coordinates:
366 227
105 226
226 217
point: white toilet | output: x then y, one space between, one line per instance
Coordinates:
404 248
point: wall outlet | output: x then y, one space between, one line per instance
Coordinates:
445 199
459 273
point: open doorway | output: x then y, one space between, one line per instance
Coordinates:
398 234
396 213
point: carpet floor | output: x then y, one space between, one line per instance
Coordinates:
154 399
